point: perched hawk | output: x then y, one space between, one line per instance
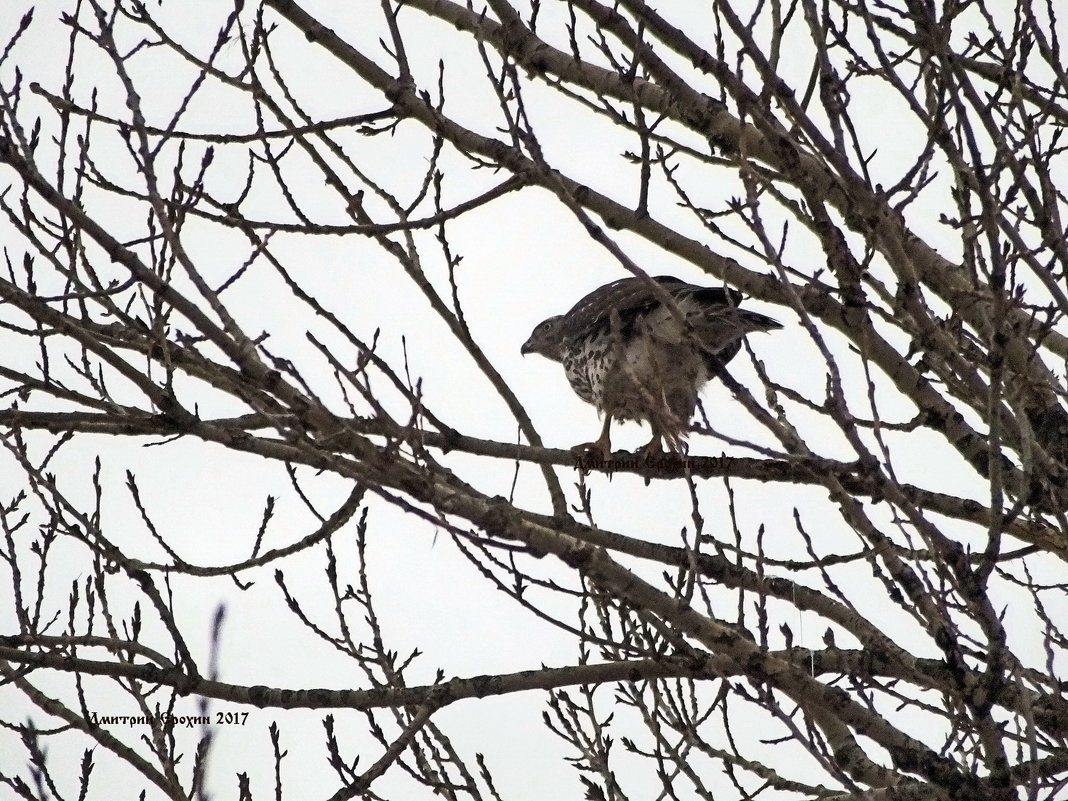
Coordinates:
635 356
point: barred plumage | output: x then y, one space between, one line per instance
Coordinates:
636 357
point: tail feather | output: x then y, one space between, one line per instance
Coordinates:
718 328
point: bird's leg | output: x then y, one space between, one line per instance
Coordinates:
653 448
598 450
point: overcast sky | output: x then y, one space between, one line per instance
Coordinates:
524 258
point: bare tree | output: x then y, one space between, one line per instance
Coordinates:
260 239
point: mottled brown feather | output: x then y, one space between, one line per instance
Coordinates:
636 357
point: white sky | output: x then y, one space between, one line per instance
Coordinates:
524 258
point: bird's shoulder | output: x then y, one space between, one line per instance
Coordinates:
630 299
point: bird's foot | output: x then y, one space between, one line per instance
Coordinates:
652 450
596 452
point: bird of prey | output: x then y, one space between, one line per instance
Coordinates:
641 348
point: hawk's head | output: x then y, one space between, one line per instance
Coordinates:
546 339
